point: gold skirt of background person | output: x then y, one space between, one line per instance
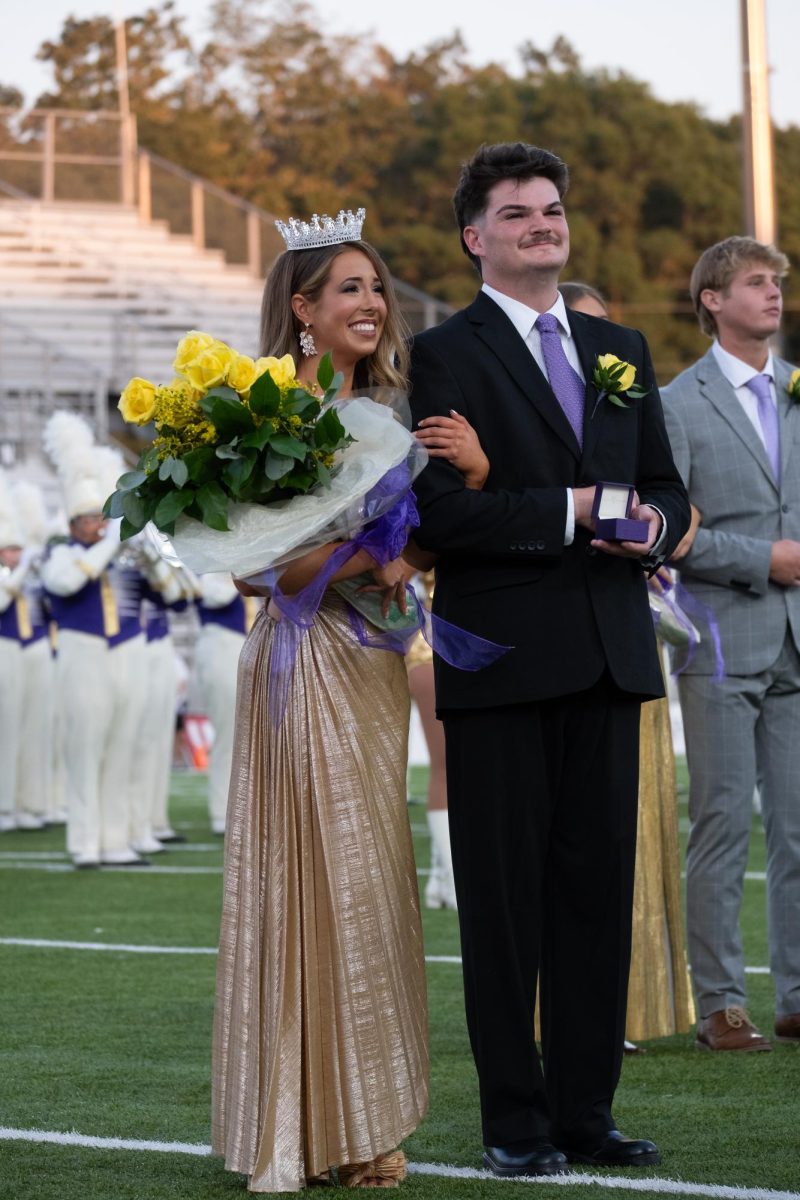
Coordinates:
659 993
320 1033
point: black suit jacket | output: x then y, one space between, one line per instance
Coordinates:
503 570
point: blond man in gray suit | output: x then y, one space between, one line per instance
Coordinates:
734 425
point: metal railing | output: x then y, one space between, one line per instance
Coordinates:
54 154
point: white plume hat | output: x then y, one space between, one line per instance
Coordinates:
10 531
87 472
31 512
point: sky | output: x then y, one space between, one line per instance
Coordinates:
685 49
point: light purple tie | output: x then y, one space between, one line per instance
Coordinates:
768 416
564 379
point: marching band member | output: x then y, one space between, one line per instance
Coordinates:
96 604
225 619
14 566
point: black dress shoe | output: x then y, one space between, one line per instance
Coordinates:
172 839
617 1151
525 1158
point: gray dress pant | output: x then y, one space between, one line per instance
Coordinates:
743 730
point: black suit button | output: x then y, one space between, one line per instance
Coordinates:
533 545
784 508
513 546
591 550
540 545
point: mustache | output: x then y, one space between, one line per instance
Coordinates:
542 240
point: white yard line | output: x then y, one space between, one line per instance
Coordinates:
673 1187
140 948
31 862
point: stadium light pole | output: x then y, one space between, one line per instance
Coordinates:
127 137
758 171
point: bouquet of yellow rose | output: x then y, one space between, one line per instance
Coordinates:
229 429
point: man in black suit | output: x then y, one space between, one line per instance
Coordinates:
542 746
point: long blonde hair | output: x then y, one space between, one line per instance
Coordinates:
306 272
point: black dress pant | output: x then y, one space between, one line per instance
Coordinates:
543 802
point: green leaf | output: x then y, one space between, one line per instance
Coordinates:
174 469
284 443
127 530
302 480
237 473
265 396
328 430
258 439
134 510
323 475
325 371
276 465
230 417
113 506
226 393
200 463
333 388
214 506
228 451
149 460
171 506
615 398
303 405
131 479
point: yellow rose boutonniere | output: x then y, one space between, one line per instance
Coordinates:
615 379
793 386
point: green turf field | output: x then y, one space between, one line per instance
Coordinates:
116 1044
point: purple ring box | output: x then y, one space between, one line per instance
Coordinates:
611 514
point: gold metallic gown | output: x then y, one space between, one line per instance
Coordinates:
659 993
320 1032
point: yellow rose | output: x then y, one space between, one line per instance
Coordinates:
242 373
209 367
138 402
282 370
628 376
189 347
794 384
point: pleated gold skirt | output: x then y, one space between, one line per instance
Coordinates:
659 992
320 1031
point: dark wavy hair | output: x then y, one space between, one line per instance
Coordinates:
491 164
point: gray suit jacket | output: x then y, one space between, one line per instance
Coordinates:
729 479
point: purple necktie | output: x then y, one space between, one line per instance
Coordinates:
564 379
768 416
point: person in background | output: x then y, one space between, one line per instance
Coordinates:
659 991
225 620
734 423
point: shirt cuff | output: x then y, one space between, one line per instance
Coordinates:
569 531
657 549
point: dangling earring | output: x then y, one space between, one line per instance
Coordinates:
307 344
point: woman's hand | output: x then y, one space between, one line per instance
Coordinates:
454 439
391 580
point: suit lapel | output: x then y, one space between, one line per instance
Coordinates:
716 388
788 410
493 327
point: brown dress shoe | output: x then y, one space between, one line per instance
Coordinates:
730 1029
787 1029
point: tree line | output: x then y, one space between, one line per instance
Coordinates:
287 116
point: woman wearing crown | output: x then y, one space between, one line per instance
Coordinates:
320 1063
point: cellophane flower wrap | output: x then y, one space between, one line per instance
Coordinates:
250 470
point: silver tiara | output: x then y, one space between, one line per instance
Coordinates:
322 231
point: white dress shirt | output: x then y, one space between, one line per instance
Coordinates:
738 375
523 319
